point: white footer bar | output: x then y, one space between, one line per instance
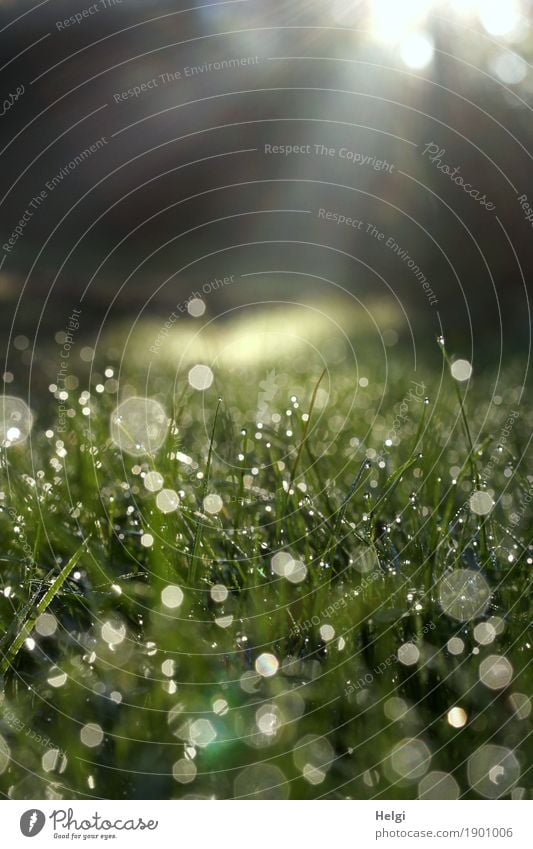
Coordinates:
260 824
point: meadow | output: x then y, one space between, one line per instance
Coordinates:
300 575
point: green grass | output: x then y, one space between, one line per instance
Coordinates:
377 527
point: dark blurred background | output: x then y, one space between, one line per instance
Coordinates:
180 190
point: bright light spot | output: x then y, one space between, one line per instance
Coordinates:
464 595
520 704
280 563
417 50
172 596
266 665
113 633
220 707
213 504
46 625
509 67
327 632
461 370
395 708
153 481
196 307
167 500
498 17
168 667
224 621
261 781
219 593
457 717
21 343
391 20
297 572
87 354
313 756
495 672
408 654
91 735
56 677
438 785
54 761
313 775
492 771
410 759
267 720
481 503
200 377
284 565
484 633
455 645
184 771
202 733
139 426
16 421
147 540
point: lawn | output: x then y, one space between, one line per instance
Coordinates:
293 576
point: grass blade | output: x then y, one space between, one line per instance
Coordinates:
32 611
199 526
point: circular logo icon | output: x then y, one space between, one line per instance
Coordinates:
32 822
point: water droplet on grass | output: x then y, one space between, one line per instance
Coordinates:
16 421
200 377
139 426
266 665
493 771
464 594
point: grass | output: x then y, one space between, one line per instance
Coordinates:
366 486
